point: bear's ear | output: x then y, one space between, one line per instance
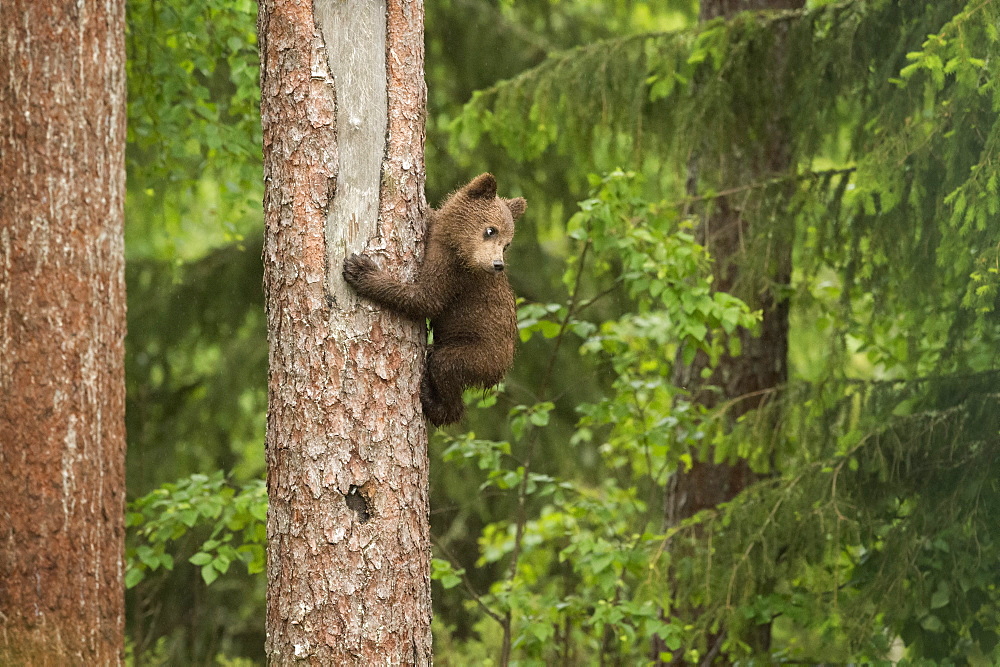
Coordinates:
517 206
483 186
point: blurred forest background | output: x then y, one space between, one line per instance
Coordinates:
856 142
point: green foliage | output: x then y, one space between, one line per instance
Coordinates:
196 351
194 73
879 467
193 126
583 575
196 367
889 110
233 520
664 271
874 519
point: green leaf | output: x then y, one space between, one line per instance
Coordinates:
689 353
540 415
442 571
148 556
259 511
209 574
698 331
133 576
600 563
931 623
221 563
200 558
167 561
941 596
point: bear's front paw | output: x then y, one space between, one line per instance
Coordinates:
357 268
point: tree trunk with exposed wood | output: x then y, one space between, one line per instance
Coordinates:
343 106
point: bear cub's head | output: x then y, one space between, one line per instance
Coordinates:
478 225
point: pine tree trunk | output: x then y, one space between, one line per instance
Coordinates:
710 9
762 366
62 328
343 105
752 377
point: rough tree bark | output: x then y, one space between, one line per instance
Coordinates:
343 104
762 367
62 327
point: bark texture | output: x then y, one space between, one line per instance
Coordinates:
349 542
62 326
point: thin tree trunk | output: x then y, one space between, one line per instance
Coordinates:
762 366
710 9
752 377
62 327
343 104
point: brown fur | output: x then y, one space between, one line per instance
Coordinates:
462 288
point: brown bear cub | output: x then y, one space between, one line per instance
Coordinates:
461 287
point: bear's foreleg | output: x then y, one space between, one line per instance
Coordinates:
413 299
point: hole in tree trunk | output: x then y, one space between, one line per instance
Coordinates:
357 502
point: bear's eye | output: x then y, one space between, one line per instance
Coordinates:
490 231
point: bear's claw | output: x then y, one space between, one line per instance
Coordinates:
356 267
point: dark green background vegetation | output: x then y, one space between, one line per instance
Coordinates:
874 526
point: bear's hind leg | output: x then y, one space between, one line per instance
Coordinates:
437 410
442 384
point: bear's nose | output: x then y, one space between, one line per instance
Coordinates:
497 265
